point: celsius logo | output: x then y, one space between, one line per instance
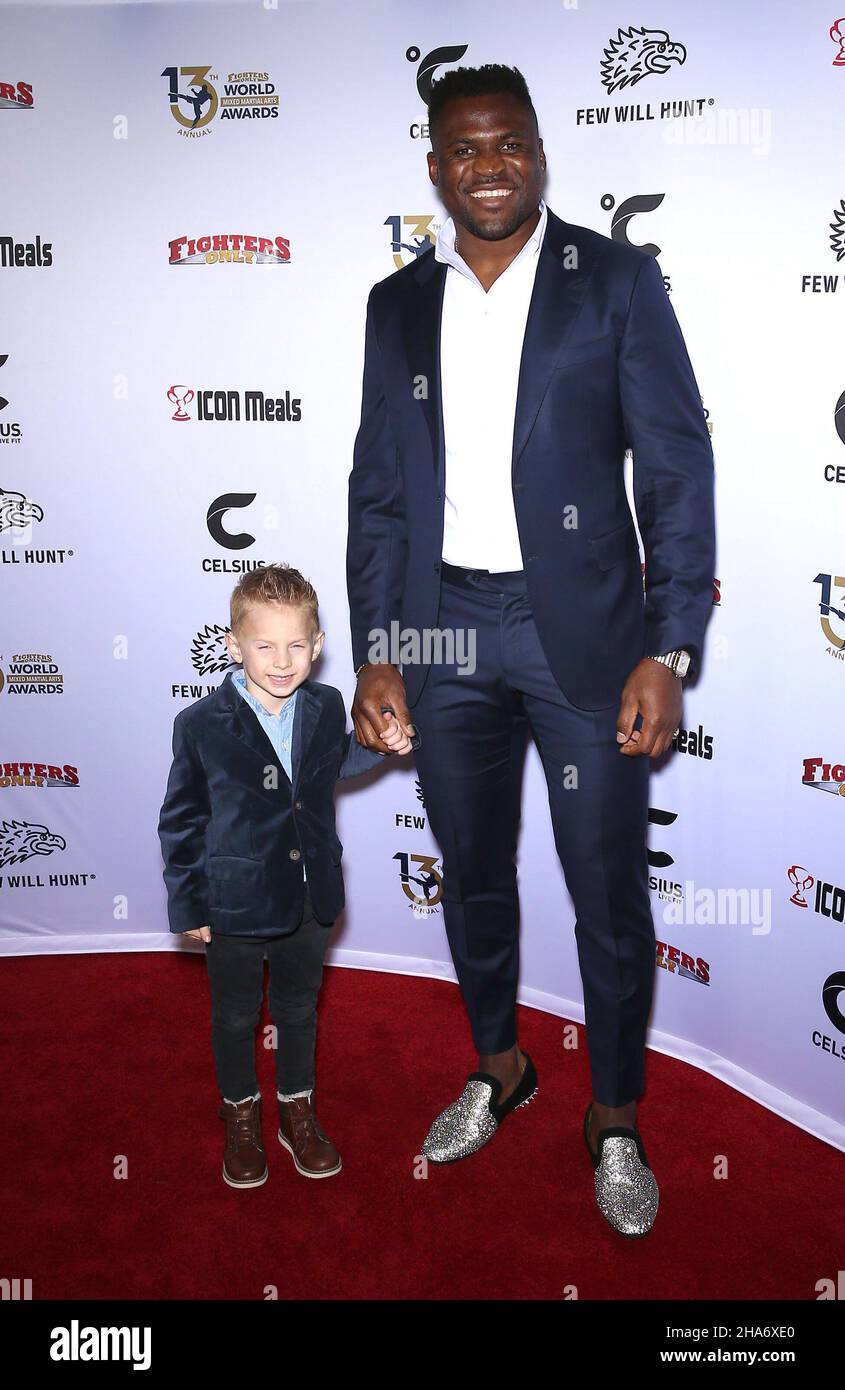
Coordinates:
659 859
430 63
231 248
836 32
839 418
828 611
10 430
831 990
16 96
665 889
422 229
825 777
246 96
642 202
23 839
638 53
216 513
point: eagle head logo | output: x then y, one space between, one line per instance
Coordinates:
637 53
20 840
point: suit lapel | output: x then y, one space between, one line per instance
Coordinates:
557 295
242 722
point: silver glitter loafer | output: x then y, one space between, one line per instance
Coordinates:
626 1188
470 1122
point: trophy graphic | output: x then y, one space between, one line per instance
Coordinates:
180 396
800 879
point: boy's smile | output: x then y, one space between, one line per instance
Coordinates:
277 647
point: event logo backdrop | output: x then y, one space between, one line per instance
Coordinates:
197 199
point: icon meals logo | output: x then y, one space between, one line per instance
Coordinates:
233 405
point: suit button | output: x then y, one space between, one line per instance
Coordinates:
437 496
295 854
297 805
436 565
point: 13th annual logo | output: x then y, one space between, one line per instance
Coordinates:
195 102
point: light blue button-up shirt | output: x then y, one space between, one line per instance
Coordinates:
277 727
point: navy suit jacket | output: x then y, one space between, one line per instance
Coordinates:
233 847
604 367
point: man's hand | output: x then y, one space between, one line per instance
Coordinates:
653 691
199 933
379 684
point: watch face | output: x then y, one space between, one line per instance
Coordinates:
683 663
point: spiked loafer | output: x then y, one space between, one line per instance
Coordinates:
626 1188
470 1122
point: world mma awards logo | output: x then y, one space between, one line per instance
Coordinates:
194 100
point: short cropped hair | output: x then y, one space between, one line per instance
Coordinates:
490 79
273 584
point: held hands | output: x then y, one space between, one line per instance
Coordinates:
653 691
395 737
381 685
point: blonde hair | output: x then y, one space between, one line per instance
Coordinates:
273 584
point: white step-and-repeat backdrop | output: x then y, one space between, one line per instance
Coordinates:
196 201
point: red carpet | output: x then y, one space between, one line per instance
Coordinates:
109 1055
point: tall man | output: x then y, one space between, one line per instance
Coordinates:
506 371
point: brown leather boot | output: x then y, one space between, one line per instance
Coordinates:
244 1162
315 1156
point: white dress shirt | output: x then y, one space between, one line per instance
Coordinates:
481 336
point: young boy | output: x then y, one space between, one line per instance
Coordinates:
253 861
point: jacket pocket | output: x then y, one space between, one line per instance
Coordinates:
614 546
234 868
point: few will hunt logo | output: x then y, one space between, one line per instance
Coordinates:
829 898
21 840
825 777
679 962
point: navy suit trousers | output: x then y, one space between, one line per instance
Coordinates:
470 763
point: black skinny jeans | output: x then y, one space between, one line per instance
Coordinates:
236 978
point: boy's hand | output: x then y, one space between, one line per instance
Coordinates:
199 933
395 737
379 684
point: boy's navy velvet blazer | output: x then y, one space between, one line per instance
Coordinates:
234 832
